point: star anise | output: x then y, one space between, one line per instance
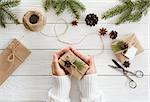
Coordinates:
74 23
126 64
113 34
103 31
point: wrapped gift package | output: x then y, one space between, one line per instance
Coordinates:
73 64
134 48
11 58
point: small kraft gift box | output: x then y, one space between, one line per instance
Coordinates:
11 58
127 47
73 64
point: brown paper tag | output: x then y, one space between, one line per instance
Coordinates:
11 58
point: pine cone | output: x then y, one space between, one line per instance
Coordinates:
126 64
91 19
67 64
113 34
103 31
124 46
74 23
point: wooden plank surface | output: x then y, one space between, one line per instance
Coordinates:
31 81
74 34
39 61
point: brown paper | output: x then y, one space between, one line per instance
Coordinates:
11 58
131 40
73 68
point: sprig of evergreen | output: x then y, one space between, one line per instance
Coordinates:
129 11
79 64
5 13
73 6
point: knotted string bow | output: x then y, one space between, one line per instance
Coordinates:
11 57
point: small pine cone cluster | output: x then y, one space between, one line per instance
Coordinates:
67 64
113 34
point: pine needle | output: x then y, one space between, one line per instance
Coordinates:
2 19
5 13
60 6
47 4
79 64
9 3
11 16
129 11
73 6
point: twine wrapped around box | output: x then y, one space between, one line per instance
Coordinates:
73 64
11 58
132 41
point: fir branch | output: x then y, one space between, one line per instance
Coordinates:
78 5
79 64
9 3
47 4
114 11
125 14
2 19
73 6
60 6
134 17
5 13
11 16
129 11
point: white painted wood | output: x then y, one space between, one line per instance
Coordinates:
30 82
35 88
39 62
74 34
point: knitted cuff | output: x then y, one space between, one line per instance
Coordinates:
61 88
88 86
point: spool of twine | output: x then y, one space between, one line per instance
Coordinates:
34 20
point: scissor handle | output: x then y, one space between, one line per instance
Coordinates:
139 74
132 84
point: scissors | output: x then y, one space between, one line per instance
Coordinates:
138 73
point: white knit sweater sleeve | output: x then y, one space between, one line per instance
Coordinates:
89 89
60 90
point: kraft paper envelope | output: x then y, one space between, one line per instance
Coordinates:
11 58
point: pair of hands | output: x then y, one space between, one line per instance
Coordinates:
58 71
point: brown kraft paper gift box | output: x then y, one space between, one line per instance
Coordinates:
11 58
73 64
130 38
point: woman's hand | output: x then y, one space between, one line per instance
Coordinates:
56 69
88 59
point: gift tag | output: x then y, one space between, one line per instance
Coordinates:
131 52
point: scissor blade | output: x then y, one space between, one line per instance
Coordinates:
112 66
117 64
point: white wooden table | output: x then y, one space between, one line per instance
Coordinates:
31 81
